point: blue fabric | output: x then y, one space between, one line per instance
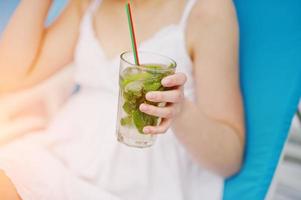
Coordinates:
270 57
271 82
7 7
57 7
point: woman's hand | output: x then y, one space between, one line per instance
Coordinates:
173 99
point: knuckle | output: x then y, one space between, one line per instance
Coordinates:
179 96
150 110
184 77
182 95
161 130
169 113
165 129
172 80
155 110
159 96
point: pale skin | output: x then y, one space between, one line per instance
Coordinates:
211 129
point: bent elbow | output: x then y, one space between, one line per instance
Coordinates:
232 167
233 171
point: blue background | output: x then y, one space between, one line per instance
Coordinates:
270 61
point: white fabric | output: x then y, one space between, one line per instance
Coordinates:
78 157
31 109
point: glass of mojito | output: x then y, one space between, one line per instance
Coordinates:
134 82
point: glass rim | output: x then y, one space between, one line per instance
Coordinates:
172 61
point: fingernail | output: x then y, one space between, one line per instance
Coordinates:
165 81
146 130
143 107
150 95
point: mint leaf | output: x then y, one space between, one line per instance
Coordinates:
129 107
151 86
126 121
141 120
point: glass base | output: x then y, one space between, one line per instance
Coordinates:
138 143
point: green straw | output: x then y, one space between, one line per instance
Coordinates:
132 33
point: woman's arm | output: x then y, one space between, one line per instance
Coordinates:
30 53
53 49
7 189
21 39
213 128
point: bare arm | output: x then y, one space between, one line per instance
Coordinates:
7 189
26 59
21 39
213 128
29 52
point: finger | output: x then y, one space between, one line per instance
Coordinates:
177 79
171 96
164 112
162 128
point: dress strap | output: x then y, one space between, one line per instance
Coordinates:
93 6
189 5
86 26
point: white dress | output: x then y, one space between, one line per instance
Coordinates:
78 156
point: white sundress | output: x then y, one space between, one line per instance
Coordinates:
78 156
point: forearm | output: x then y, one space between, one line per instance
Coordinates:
21 39
211 143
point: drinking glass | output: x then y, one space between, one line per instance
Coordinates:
134 82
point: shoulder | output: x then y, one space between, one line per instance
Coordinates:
83 5
211 13
79 6
212 9
211 16
71 14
